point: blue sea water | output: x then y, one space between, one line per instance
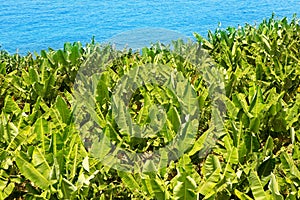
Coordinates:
33 25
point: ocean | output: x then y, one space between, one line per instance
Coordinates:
34 25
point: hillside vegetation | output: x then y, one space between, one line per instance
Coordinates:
252 152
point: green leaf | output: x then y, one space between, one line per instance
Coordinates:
254 124
207 187
39 89
3 68
274 188
59 57
49 85
122 116
34 76
251 142
268 147
242 195
67 188
174 118
10 106
185 188
41 129
63 109
15 137
6 190
233 156
100 149
44 68
241 98
231 108
257 104
232 152
102 93
203 143
85 163
289 165
129 181
256 186
185 183
40 163
157 187
75 54
149 167
211 164
31 173
267 167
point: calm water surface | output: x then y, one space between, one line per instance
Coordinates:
33 25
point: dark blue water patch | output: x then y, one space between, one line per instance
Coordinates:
30 25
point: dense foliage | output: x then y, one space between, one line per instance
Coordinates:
257 155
